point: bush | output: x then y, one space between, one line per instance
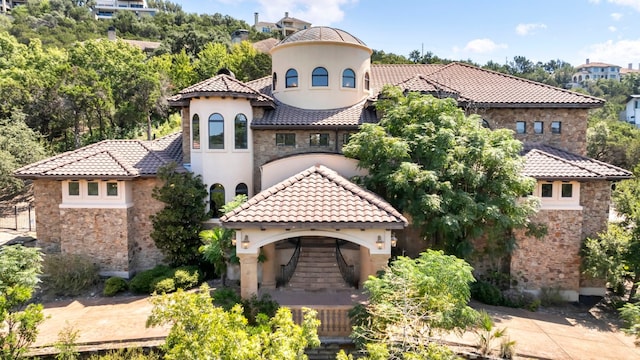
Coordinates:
143 282
114 285
520 299
226 298
127 354
255 306
187 277
69 274
164 286
551 297
486 293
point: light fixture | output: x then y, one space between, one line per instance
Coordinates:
394 240
245 242
233 240
380 242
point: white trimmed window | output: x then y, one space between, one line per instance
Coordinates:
95 194
559 194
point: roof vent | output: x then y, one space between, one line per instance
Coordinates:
226 71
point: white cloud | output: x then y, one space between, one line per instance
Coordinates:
618 53
594 1
616 16
526 29
635 4
318 13
612 28
481 46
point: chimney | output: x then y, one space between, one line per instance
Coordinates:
587 61
111 33
255 19
630 66
286 14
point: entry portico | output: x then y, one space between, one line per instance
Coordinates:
316 203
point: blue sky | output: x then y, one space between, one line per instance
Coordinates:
571 30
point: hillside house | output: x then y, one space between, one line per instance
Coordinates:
278 140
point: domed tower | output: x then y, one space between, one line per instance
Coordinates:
321 68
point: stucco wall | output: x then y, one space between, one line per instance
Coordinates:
186 134
47 197
573 133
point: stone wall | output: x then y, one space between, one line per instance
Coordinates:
143 251
47 197
554 260
265 149
101 234
595 198
573 136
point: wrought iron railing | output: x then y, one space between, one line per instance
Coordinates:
286 271
347 271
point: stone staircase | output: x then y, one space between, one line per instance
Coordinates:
317 268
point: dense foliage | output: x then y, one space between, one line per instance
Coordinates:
20 268
200 330
177 226
456 179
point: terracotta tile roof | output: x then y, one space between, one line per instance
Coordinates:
544 162
264 46
394 74
321 33
422 84
314 198
113 159
285 116
595 64
219 85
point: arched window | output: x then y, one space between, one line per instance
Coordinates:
291 78
242 189
348 78
274 81
320 77
195 132
240 125
216 200
485 124
216 131
366 81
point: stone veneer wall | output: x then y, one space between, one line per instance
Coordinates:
551 261
595 198
47 197
265 149
573 132
101 234
143 251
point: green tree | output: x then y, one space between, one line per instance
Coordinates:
457 180
19 320
413 300
200 330
176 227
613 141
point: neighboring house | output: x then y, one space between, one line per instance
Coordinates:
106 9
285 26
592 71
629 70
278 140
631 113
146 46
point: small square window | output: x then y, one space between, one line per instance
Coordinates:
319 140
556 127
538 127
112 189
345 138
546 190
285 139
521 127
92 188
567 190
74 188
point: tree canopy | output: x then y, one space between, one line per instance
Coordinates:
457 180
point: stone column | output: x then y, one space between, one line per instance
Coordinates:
365 264
248 275
378 262
269 266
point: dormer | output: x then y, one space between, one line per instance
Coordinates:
321 68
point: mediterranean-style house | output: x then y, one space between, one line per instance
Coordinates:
278 140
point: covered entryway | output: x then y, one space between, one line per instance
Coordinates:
316 206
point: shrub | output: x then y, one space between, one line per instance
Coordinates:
69 274
114 285
486 292
255 306
164 286
127 354
226 298
143 282
520 299
551 297
187 277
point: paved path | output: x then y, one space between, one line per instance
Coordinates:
120 322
